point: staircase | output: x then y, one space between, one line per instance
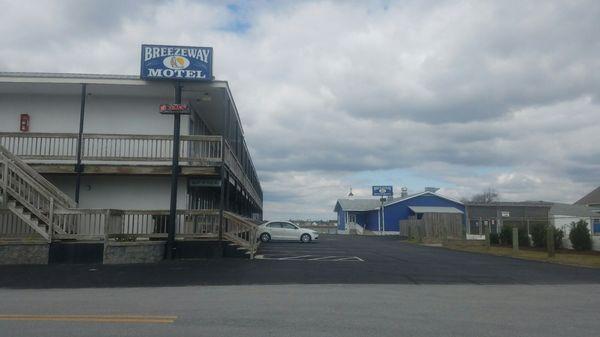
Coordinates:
241 233
29 196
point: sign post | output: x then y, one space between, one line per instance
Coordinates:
382 191
175 63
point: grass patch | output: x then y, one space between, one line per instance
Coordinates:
567 257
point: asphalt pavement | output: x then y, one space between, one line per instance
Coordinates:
304 310
381 260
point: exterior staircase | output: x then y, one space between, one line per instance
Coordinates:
29 196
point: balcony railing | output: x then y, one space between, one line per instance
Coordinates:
133 225
126 149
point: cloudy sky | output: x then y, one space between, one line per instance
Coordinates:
461 95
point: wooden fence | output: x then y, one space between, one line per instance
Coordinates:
433 227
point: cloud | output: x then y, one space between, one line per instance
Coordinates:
462 94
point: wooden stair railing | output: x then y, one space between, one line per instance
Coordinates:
241 231
30 196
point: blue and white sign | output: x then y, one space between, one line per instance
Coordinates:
383 191
176 63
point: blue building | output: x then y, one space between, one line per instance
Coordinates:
360 215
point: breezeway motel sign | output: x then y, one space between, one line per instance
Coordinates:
176 63
383 191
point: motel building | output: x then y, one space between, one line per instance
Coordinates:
86 165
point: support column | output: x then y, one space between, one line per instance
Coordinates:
78 166
170 249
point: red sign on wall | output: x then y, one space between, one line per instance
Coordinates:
169 109
24 123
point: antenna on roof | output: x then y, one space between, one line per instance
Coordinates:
350 195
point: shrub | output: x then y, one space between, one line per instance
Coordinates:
559 234
506 236
539 237
494 238
580 236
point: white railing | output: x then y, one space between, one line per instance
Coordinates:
194 150
236 168
241 231
107 224
13 227
118 148
22 179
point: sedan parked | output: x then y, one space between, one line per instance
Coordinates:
283 230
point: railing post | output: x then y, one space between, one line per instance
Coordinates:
252 243
51 220
106 226
5 182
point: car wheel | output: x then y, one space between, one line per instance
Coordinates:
265 237
305 238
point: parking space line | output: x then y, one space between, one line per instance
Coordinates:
322 258
309 258
295 257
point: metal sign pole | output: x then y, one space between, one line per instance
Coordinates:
170 251
78 166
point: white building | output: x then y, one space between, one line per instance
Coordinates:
126 151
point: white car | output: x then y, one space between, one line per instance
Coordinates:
283 230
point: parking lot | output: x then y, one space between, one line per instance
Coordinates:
333 259
329 248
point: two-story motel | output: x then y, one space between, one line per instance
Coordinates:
122 159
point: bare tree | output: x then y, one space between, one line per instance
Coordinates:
488 196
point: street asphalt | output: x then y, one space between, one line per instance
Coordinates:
303 310
334 259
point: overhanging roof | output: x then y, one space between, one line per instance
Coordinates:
571 210
435 209
591 198
357 204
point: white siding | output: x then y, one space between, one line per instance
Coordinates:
123 192
103 114
564 222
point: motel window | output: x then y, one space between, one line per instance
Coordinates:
493 226
596 226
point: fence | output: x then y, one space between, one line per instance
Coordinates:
433 227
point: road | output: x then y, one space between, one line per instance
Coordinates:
340 286
306 310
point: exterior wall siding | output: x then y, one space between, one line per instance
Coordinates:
123 192
400 211
103 114
372 218
341 220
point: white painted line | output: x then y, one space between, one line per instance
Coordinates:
294 257
351 258
322 258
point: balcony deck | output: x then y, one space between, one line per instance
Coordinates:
127 154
